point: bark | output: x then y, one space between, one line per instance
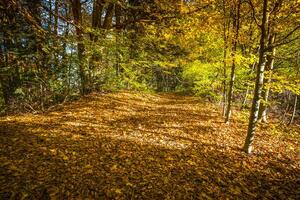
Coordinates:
56 17
248 88
96 17
77 15
295 103
225 37
107 24
294 110
262 115
50 16
118 11
258 84
236 24
65 63
97 13
287 107
4 80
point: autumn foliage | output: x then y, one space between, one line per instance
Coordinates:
131 145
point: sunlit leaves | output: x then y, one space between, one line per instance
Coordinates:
139 145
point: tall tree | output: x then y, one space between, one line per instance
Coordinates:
259 80
262 114
226 28
77 15
236 27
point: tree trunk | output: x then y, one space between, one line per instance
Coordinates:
294 110
287 99
65 64
4 79
236 24
295 103
96 17
258 84
262 114
225 37
108 17
118 10
248 88
76 9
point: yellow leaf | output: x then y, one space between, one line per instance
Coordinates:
129 184
191 162
114 167
118 191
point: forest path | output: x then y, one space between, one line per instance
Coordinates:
134 145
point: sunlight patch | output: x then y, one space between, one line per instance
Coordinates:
151 139
80 124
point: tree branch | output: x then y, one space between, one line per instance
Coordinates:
253 13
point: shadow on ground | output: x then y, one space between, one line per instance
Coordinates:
138 146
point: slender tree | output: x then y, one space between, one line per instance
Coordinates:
77 15
262 114
236 27
259 81
226 27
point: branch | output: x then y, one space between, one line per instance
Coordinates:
276 7
254 13
284 40
153 17
24 12
60 17
290 33
282 43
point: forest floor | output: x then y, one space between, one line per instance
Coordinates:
130 145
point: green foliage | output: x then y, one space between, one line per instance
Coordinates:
203 77
162 48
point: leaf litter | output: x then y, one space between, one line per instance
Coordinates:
131 145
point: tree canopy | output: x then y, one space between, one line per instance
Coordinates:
242 56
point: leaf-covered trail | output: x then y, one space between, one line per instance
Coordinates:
129 145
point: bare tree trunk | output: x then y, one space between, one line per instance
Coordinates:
287 107
248 88
295 103
96 17
50 16
294 110
76 9
56 17
65 63
225 37
224 85
262 114
236 26
258 84
118 10
108 17
4 61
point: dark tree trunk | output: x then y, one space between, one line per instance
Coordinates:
118 11
107 23
96 17
77 15
225 37
236 26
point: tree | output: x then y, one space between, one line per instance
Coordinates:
77 15
236 27
262 114
259 81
